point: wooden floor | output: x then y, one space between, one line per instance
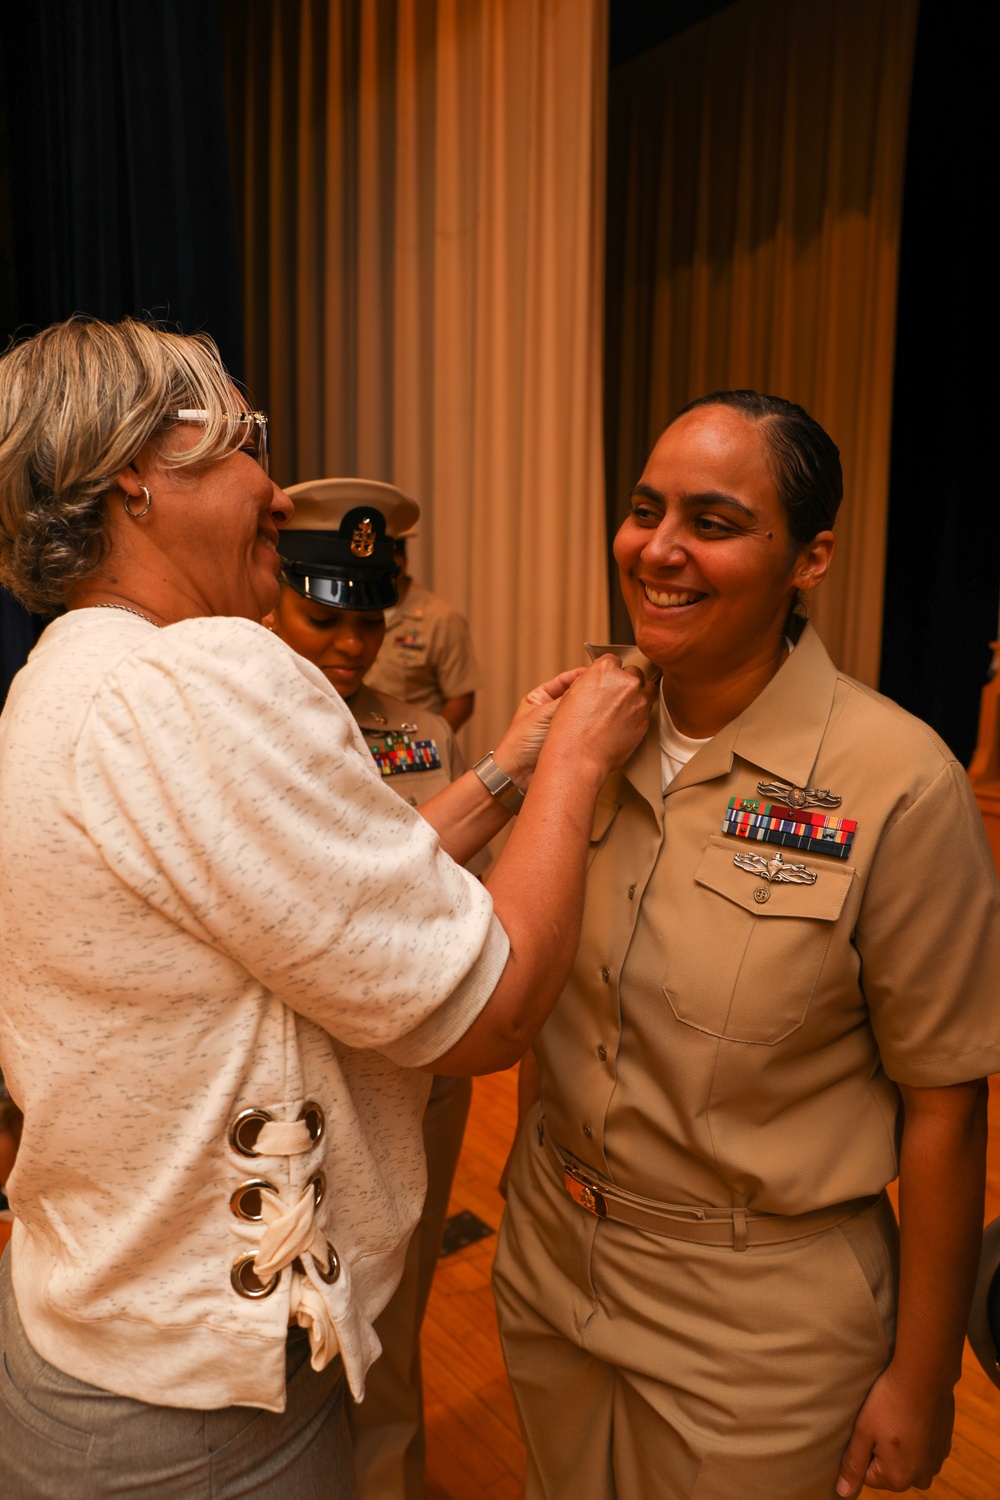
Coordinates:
474 1447
473 1444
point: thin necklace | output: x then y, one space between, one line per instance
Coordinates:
129 611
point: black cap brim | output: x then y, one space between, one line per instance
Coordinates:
379 592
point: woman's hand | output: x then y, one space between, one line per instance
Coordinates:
899 1440
903 1431
603 713
602 716
607 707
519 746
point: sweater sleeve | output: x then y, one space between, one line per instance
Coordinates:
225 783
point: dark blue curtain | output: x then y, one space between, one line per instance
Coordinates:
637 25
943 563
115 194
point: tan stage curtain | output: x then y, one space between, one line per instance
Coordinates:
421 190
755 188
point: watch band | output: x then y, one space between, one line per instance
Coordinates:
499 784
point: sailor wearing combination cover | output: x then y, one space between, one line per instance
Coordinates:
338 577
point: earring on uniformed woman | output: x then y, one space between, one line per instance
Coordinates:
138 514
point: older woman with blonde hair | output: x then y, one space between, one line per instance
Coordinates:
230 957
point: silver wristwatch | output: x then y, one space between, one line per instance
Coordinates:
499 784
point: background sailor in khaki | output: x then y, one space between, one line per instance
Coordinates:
427 657
331 555
740 1063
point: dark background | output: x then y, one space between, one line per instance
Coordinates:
115 194
115 199
943 545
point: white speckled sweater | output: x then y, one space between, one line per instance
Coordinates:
209 902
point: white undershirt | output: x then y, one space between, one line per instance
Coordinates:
676 749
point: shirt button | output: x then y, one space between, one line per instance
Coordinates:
605 973
588 1132
761 895
602 1052
631 892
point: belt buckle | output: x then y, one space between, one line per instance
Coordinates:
584 1193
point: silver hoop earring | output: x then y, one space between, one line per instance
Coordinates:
138 514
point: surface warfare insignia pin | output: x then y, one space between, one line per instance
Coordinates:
775 869
792 827
363 539
799 796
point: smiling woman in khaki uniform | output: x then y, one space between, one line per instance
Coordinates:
785 994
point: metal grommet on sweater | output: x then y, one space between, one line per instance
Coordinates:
332 1271
245 1201
315 1121
245 1129
245 1280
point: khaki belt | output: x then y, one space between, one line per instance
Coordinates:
735 1228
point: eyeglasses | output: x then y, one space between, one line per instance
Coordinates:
256 420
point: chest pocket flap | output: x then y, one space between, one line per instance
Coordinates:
823 900
754 981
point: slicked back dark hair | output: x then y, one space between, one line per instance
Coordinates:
805 459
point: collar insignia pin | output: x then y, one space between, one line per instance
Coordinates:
799 796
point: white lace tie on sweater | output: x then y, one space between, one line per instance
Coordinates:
292 1240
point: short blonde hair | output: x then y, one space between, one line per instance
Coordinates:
78 402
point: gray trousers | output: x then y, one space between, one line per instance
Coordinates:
61 1439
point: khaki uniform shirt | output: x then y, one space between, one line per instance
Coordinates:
377 716
728 1041
427 654
380 716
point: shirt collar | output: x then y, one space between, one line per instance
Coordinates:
372 713
780 731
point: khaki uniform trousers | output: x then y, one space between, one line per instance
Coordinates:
387 1427
649 1368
